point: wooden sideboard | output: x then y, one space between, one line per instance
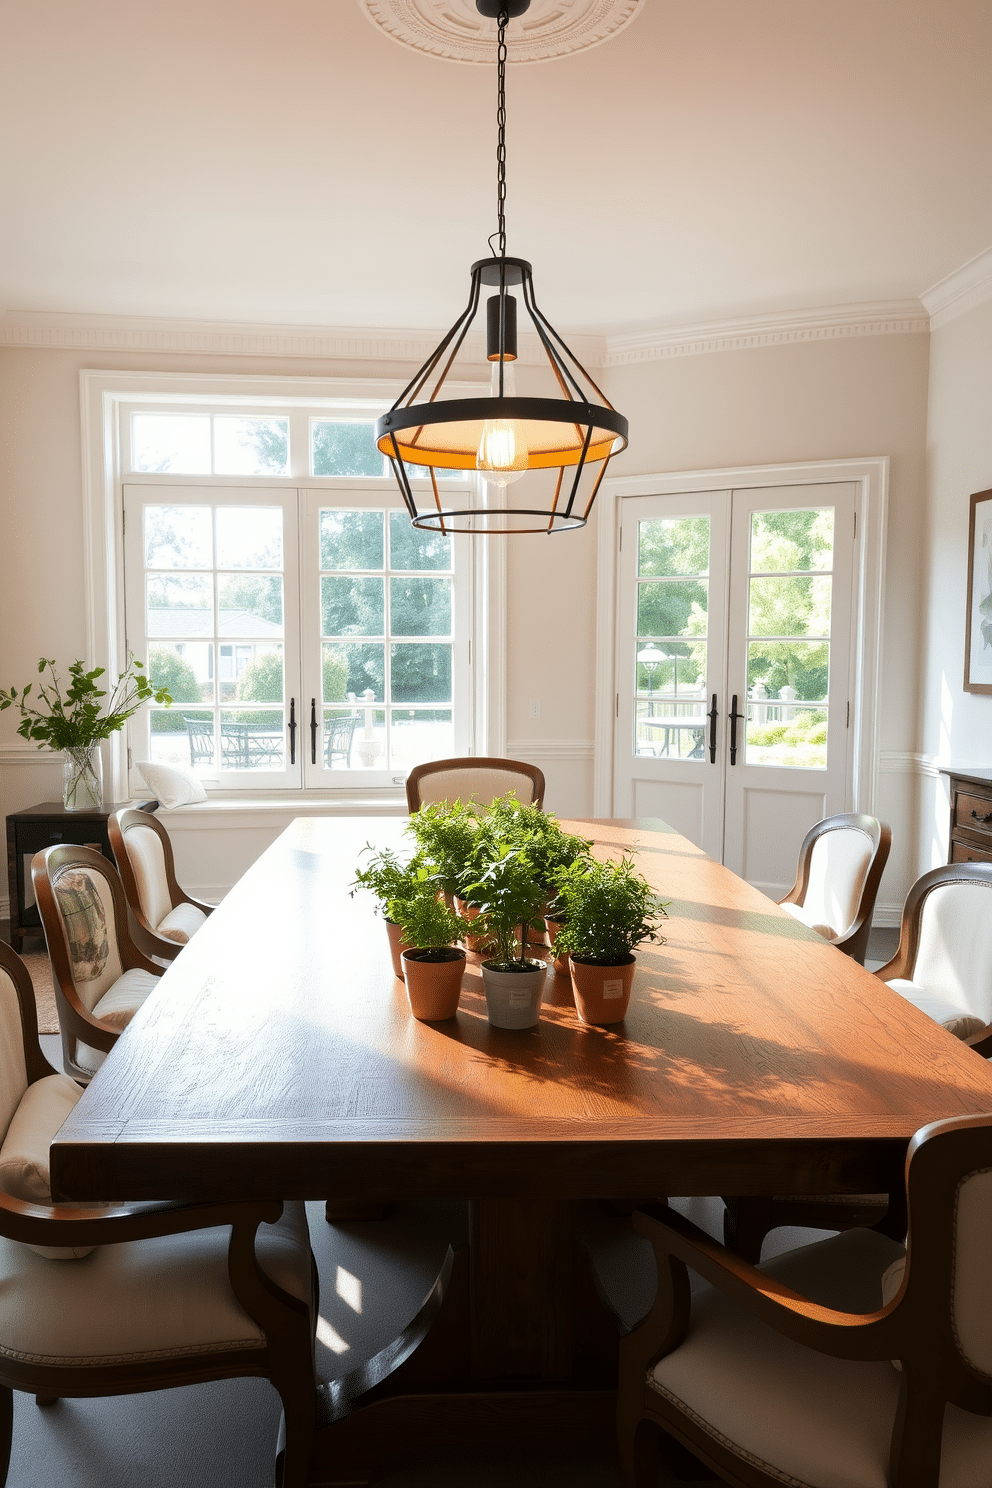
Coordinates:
970 839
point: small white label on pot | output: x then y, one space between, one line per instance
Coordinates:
520 999
612 990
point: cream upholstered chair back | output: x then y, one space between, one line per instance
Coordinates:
972 1282
466 779
954 949
840 867
146 855
13 1068
87 920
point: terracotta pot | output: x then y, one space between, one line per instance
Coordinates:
433 986
560 963
397 945
513 998
602 992
470 912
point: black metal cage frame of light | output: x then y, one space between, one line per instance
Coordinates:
591 428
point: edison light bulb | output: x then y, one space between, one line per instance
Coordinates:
502 455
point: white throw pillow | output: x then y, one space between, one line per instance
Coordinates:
174 785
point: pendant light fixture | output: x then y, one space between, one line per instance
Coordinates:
547 454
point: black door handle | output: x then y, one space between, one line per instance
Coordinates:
711 715
734 715
292 731
313 731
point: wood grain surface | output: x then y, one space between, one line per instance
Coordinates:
278 1057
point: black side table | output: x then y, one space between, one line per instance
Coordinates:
39 827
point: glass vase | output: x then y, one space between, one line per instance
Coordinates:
82 779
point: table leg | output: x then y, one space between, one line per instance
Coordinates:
512 1343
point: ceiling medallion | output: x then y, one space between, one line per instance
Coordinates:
454 31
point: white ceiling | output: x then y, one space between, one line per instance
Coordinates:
239 160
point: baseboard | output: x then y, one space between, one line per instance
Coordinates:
887 916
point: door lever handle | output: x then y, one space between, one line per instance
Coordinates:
292 731
711 715
734 715
313 731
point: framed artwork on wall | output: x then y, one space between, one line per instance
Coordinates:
978 623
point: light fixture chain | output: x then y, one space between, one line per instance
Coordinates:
501 130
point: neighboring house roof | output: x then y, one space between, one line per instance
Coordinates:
173 623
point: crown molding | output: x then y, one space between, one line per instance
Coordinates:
968 286
49 331
829 323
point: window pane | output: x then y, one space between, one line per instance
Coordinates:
787 541
411 548
192 744
784 734
249 537
421 734
344 449
674 547
789 670
350 606
258 675
673 667
365 669
421 674
670 730
672 608
251 446
351 539
173 443
180 605
339 738
249 605
178 537
420 607
789 607
253 740
186 669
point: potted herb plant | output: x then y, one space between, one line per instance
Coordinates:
608 910
445 833
387 877
510 901
75 721
432 964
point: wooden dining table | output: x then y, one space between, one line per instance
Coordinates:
278 1058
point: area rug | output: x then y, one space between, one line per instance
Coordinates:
40 967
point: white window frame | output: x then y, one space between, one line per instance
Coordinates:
106 398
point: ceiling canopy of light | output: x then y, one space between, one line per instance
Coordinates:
558 446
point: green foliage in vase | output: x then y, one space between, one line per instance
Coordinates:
425 919
510 901
78 718
608 910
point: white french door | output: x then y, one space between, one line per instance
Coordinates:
734 668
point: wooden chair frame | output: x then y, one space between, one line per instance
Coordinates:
916 1328
855 942
118 825
471 762
903 962
75 1020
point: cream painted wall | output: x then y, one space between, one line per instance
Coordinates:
816 400
955 726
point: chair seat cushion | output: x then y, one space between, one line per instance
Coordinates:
181 923
120 1002
810 1420
950 1015
163 1298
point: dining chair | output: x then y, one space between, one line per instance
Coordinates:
854 1361
840 867
121 1299
200 733
340 737
472 777
100 975
143 853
